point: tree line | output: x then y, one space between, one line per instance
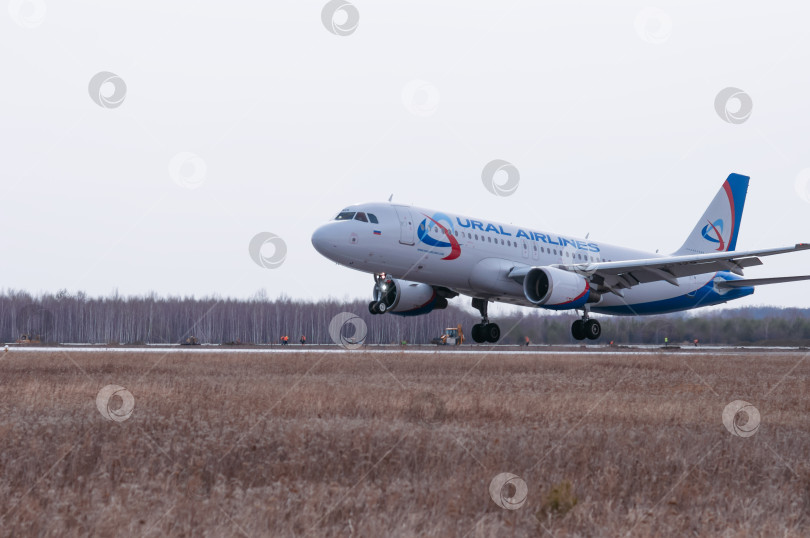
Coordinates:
76 318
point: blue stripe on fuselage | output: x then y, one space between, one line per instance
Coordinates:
704 296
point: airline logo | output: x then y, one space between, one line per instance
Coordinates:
427 234
439 231
713 232
548 239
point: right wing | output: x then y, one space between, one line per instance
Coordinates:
758 281
617 276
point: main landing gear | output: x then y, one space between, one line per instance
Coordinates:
484 331
586 328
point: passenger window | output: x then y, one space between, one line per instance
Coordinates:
476 237
372 218
508 243
345 215
555 251
502 241
361 217
489 239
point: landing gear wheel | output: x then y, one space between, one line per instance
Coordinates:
372 307
492 332
478 333
381 307
592 329
484 331
578 330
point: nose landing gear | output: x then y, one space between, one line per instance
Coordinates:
586 328
484 331
382 289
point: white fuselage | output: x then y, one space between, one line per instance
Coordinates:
473 256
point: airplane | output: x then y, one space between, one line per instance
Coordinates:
420 258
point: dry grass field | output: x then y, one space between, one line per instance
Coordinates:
403 445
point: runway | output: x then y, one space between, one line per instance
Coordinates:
394 350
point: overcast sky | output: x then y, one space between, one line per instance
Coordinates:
245 117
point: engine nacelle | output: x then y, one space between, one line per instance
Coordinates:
406 298
555 289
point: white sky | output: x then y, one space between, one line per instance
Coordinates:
612 134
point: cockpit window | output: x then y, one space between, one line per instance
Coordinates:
345 215
373 218
361 217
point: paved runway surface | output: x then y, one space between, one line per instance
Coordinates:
410 350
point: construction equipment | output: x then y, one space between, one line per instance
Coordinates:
453 336
190 341
29 339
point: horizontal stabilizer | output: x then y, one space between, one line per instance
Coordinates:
759 281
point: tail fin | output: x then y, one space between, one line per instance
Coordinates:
717 229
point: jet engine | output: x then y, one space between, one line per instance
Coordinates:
405 298
555 289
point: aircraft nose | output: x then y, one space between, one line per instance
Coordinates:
323 239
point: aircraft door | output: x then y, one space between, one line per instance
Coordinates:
406 228
524 245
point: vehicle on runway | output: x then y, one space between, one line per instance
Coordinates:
452 336
420 258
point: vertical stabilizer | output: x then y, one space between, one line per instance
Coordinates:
718 228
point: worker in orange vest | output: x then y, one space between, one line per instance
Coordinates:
303 339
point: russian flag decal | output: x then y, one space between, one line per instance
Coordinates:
377 232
